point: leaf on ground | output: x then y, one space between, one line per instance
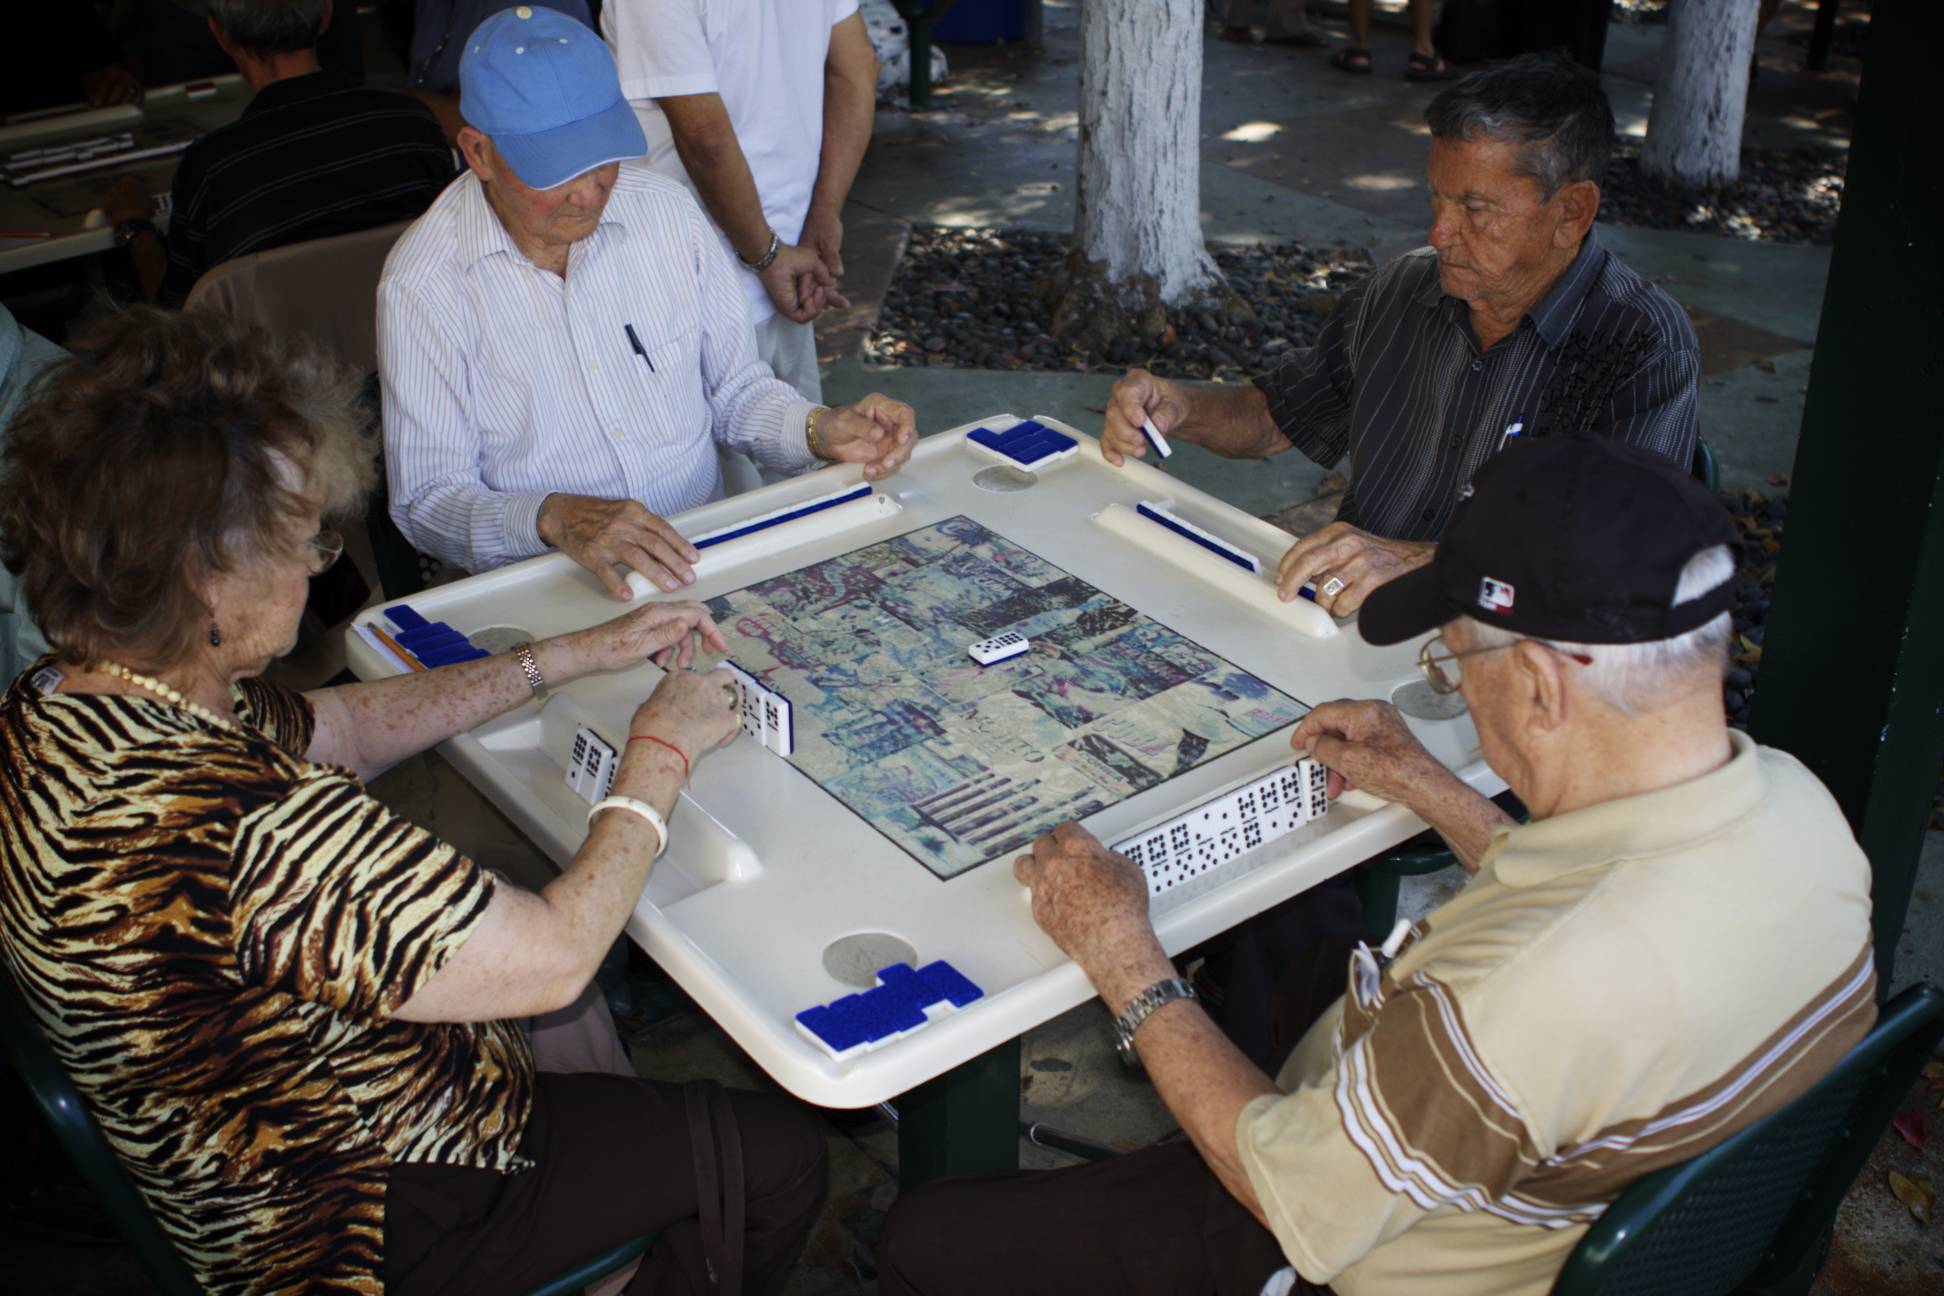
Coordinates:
1765 364
1910 1124
1916 1193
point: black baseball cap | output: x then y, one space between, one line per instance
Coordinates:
1574 538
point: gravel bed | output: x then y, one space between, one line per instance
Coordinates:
970 298
1783 196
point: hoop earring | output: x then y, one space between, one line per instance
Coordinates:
215 636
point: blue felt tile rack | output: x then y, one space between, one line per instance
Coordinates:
1029 444
430 643
905 999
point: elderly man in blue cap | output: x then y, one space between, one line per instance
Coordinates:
564 343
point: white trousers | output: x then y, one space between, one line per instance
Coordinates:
790 350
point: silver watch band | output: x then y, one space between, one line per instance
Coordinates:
523 653
1141 1007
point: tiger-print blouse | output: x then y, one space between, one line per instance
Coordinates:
214 933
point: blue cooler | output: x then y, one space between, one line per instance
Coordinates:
982 22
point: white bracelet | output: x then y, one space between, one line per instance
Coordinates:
634 806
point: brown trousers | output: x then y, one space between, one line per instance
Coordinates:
613 1159
1152 1223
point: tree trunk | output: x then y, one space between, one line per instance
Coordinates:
1137 240
1694 131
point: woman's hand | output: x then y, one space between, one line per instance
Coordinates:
664 633
696 712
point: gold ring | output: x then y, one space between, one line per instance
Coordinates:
734 700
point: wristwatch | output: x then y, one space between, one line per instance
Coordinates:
523 653
1141 1007
127 231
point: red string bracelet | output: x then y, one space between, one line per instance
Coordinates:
663 742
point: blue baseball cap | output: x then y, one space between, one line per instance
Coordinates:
543 88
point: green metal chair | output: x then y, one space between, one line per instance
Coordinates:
1379 880
1751 1214
101 1170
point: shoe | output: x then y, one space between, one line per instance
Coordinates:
1352 60
1428 67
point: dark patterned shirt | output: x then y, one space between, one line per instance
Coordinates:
214 934
1396 381
311 156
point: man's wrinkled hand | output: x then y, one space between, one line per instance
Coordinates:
876 431
823 233
1090 900
601 534
1366 744
797 282
127 199
1357 559
1139 394
110 84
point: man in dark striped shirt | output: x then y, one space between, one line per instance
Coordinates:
313 155
1515 322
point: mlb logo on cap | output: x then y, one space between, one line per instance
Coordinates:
1494 595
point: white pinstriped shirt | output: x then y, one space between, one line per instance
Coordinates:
504 383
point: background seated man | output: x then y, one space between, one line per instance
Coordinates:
562 343
1681 934
313 155
1514 316
304 1037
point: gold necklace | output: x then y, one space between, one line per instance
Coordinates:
168 693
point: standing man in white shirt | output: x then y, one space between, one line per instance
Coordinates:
563 343
764 108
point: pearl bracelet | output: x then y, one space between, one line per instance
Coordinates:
634 805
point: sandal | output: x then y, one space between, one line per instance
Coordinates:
1427 67
1352 60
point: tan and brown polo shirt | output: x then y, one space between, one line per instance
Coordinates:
1616 990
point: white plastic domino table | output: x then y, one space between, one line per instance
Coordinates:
775 897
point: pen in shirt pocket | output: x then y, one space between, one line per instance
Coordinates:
1512 429
635 342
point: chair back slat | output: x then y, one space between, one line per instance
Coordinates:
74 1127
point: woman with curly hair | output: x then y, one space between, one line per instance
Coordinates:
294 1014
